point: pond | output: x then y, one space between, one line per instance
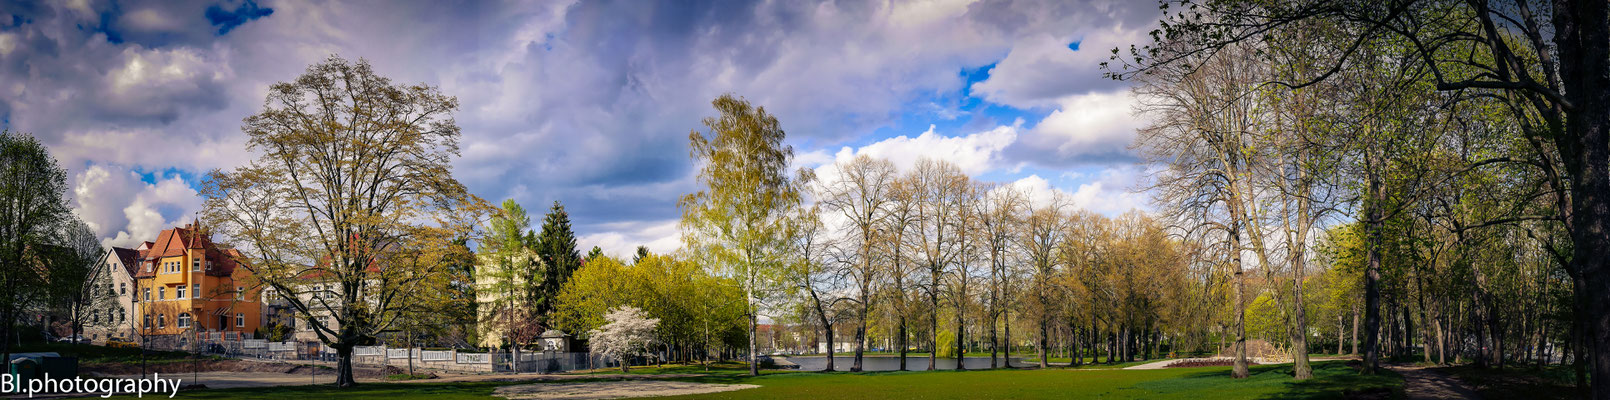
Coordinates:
892 363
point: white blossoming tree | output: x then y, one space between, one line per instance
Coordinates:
627 331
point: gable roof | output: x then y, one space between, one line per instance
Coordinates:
176 242
130 258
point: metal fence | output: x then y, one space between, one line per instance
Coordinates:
374 356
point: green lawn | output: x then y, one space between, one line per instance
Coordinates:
1551 382
1332 379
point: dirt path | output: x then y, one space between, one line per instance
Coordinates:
1420 383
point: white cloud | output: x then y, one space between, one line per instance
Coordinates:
125 210
1042 68
1112 194
1091 124
973 153
620 239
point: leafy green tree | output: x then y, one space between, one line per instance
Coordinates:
1545 61
505 278
32 207
556 247
642 252
738 222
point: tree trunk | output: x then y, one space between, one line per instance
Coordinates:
343 366
1372 272
1299 334
961 329
860 338
1340 335
1075 358
754 347
903 342
828 329
1353 336
933 318
1006 322
1239 370
994 344
1045 331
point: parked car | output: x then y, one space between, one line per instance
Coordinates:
120 343
71 339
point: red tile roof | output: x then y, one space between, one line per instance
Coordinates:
175 241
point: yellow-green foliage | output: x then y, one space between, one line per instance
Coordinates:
691 303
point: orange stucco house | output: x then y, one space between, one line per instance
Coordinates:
186 286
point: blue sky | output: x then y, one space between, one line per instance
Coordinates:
587 103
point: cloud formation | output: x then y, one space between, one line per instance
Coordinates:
588 103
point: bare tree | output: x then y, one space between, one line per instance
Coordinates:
1000 214
78 281
1203 115
861 194
351 166
811 273
896 233
939 186
1041 239
963 271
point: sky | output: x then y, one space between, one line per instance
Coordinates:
585 103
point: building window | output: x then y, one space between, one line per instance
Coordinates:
240 293
162 293
162 320
147 294
240 320
122 288
195 265
184 320
147 320
179 292
195 290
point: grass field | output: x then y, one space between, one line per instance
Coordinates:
1332 379
1551 382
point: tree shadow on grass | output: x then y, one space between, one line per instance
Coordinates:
1332 380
